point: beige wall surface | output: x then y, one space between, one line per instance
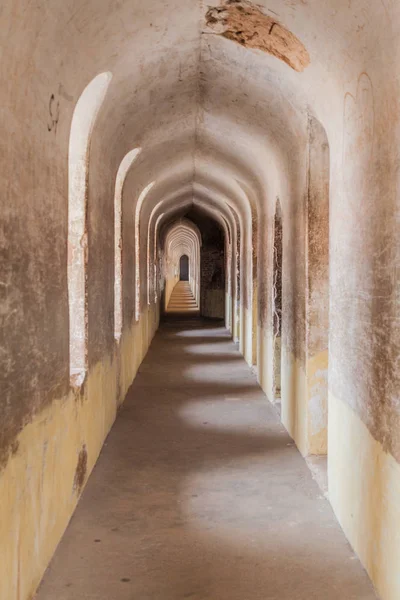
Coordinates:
289 100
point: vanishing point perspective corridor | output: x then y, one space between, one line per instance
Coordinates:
200 493
200 300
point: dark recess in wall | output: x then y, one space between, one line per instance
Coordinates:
212 265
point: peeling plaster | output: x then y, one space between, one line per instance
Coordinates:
246 24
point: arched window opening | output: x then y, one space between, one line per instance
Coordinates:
137 247
151 277
148 276
83 120
277 300
119 184
184 268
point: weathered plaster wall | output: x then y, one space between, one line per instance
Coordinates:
42 481
51 434
287 335
365 223
301 334
224 121
364 337
364 489
34 309
317 289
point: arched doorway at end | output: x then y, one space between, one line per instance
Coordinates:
184 268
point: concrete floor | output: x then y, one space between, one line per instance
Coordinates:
199 493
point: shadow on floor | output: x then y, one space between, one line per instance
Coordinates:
200 493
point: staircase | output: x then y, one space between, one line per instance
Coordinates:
182 299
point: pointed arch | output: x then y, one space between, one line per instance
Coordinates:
124 167
139 203
83 121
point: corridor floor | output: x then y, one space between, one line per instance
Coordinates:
200 493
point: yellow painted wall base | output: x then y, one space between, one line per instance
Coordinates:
304 401
265 363
246 333
364 481
40 485
364 490
317 403
294 400
303 393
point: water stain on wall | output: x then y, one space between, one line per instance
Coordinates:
81 469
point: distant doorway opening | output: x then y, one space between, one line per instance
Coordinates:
184 268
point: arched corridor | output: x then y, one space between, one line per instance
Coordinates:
199 299
209 498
